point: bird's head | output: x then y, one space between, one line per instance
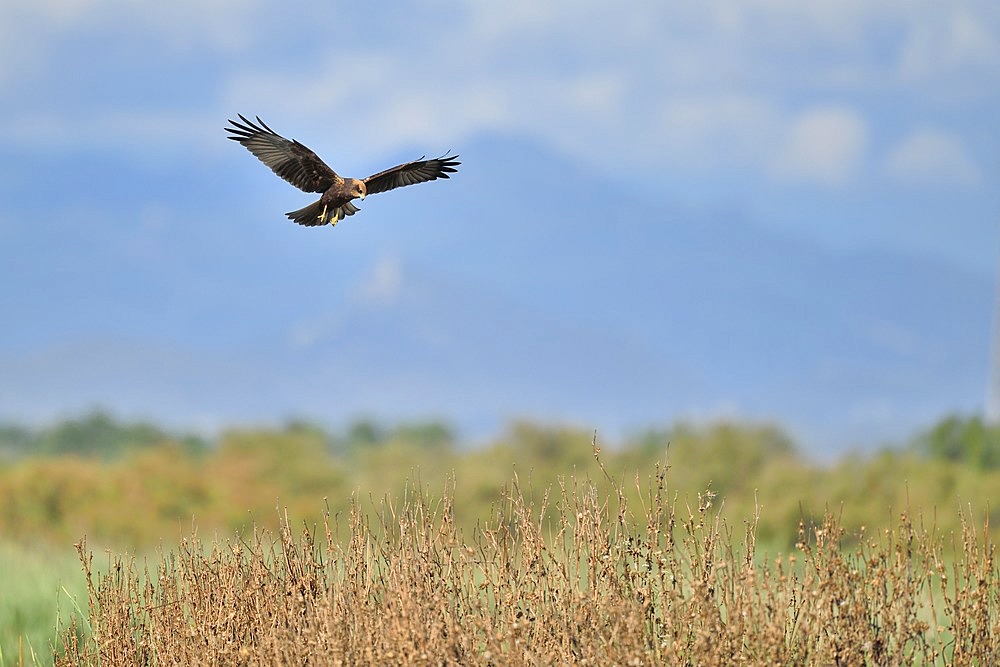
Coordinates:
358 188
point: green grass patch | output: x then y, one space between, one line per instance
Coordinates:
40 590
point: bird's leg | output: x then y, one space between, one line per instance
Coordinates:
322 216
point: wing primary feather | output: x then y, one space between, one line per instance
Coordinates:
264 125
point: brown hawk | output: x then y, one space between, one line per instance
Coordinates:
305 170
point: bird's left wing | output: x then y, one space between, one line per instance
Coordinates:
289 159
419 171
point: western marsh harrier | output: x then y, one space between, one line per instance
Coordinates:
302 168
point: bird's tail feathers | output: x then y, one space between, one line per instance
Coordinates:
317 214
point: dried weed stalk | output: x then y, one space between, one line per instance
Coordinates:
576 577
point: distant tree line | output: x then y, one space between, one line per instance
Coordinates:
966 440
131 482
100 435
95 435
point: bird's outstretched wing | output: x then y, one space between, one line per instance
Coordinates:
289 159
419 171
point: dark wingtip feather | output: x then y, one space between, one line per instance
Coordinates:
264 125
239 131
248 128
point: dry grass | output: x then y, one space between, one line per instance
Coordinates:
573 577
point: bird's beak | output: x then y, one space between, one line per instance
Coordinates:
363 194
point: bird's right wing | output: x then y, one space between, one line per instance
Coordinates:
289 159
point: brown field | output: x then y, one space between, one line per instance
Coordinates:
571 576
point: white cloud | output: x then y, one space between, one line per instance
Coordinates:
306 334
32 33
930 156
709 131
383 284
682 87
155 133
216 22
379 287
825 145
667 85
950 40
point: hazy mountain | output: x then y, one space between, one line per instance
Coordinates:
524 287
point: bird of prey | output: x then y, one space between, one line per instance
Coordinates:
302 168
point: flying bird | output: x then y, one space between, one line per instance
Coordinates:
305 170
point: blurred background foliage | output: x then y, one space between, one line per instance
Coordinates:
136 485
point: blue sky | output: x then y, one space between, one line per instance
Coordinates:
850 127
